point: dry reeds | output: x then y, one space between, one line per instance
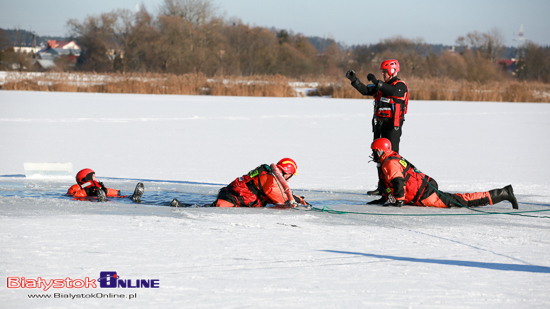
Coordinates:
504 91
270 86
190 84
252 86
445 89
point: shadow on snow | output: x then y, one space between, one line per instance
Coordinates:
494 266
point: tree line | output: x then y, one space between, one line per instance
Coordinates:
188 37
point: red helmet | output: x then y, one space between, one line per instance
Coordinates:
379 147
288 166
391 65
86 177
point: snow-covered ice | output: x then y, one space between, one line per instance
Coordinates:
189 146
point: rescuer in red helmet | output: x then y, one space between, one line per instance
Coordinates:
407 185
87 185
391 99
266 184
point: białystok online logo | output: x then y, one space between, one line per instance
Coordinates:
107 279
110 279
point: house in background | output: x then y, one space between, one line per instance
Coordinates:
27 49
71 45
508 65
57 49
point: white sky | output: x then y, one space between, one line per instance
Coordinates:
350 22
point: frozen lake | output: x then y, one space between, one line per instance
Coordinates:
188 147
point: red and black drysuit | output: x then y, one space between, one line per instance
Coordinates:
89 189
259 187
409 185
390 106
391 101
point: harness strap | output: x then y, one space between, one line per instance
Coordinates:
239 199
420 192
407 176
424 184
259 192
226 195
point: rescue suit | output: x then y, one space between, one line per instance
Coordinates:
87 185
391 101
404 182
261 186
77 190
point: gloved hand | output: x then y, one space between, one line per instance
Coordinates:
372 79
103 187
300 200
351 75
397 203
300 203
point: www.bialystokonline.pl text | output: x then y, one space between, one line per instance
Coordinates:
84 296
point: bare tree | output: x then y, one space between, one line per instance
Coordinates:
494 43
410 53
20 37
98 40
534 62
142 50
123 29
490 44
195 12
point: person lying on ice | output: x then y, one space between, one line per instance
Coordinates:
87 185
407 185
266 184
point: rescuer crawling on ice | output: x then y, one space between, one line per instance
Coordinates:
266 184
407 185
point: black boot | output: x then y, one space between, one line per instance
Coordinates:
175 203
504 194
380 186
374 192
378 191
138 192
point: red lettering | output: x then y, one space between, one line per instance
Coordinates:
13 283
78 283
31 284
90 283
68 283
58 283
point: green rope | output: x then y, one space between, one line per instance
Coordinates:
482 213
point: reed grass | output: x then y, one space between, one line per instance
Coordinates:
270 86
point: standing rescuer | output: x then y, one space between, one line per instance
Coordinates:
391 98
407 185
